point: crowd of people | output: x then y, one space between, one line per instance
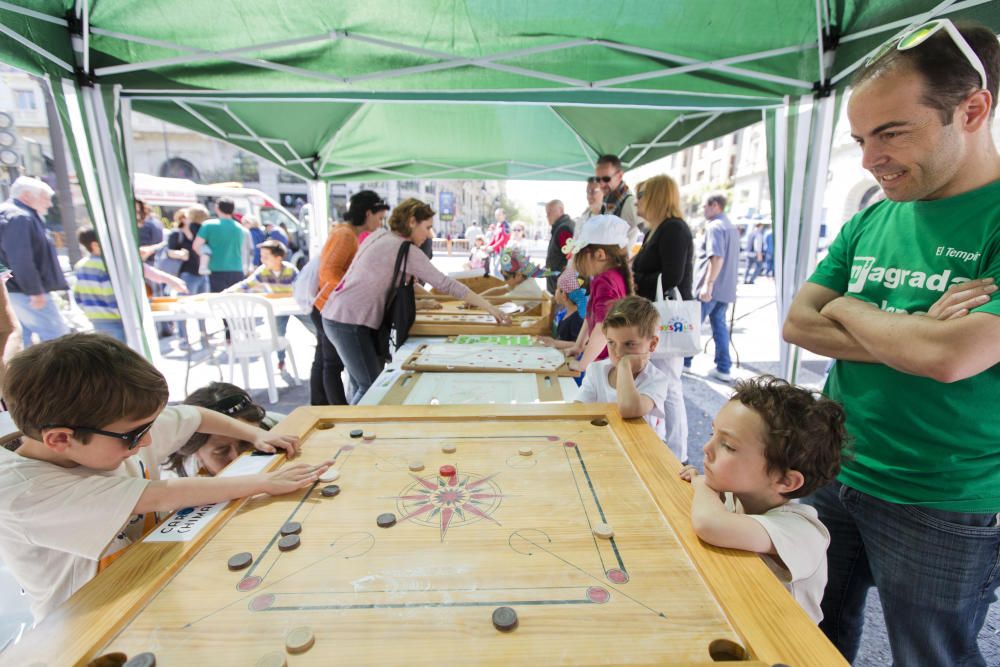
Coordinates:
896 465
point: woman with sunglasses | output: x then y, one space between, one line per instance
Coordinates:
207 455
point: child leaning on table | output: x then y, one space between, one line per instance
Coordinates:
772 442
626 377
84 484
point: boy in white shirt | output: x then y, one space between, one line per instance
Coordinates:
84 483
626 377
771 443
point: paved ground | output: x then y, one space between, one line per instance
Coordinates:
756 343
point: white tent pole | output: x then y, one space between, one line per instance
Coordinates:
708 64
28 44
319 226
201 54
24 11
662 55
780 223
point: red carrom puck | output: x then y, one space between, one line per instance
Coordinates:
447 471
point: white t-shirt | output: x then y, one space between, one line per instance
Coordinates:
800 540
651 382
57 523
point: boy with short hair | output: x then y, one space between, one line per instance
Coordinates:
84 483
93 291
771 443
273 276
626 377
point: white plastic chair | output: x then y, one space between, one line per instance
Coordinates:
250 338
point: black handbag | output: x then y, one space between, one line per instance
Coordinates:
400 307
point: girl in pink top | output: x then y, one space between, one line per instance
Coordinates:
599 253
353 313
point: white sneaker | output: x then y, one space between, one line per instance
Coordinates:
720 376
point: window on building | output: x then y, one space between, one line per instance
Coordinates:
177 167
732 166
25 100
717 143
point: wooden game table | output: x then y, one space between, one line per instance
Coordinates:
508 530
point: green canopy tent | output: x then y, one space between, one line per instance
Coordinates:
434 89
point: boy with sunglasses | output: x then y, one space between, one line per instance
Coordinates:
84 483
905 303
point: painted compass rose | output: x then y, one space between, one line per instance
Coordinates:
446 502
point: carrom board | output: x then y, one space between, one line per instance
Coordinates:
452 320
466 339
506 530
490 358
418 388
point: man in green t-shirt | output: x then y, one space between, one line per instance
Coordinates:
226 239
905 301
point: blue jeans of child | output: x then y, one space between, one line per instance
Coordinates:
936 572
716 313
46 321
355 346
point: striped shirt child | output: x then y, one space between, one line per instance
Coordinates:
93 291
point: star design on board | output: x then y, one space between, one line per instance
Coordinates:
448 501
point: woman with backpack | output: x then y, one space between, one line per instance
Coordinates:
355 311
365 215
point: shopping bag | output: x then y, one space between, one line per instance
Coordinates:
680 325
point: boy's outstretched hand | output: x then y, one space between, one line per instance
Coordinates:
271 442
293 477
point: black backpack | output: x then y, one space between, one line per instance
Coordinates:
400 307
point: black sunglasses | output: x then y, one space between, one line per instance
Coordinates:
131 438
233 405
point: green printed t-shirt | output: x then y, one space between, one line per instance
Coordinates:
226 238
917 441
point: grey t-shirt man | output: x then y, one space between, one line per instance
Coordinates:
721 239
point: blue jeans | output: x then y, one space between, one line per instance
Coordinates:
113 328
936 572
282 322
45 321
196 284
355 346
754 269
716 312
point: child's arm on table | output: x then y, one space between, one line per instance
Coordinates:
216 423
169 494
716 525
630 402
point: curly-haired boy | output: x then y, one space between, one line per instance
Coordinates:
772 442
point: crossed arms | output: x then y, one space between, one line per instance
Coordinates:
947 344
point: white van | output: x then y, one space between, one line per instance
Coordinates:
167 195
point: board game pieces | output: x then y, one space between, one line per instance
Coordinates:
273 659
387 520
109 660
525 451
604 531
416 466
300 639
331 475
142 660
357 433
324 426
449 448
240 561
504 619
368 436
330 491
291 528
289 543
447 471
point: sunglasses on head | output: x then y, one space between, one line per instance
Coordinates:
130 438
234 405
914 37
